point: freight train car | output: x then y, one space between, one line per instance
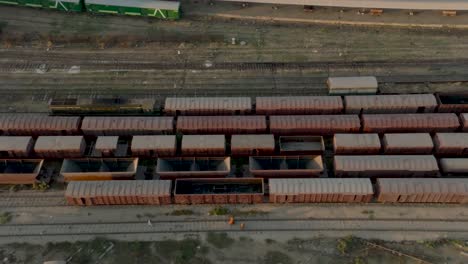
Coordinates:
147 8
62 5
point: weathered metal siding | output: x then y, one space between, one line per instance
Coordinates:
390 104
208 105
399 190
286 166
320 190
245 145
19 147
38 125
203 145
127 126
386 166
451 143
314 124
60 147
356 144
410 123
352 85
415 143
106 146
464 121
152 146
454 165
136 192
20 171
301 145
98 169
198 167
219 195
221 124
299 105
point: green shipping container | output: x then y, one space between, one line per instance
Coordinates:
150 8
63 5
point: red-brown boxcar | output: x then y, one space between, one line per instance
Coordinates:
38 125
286 166
299 105
245 145
207 105
152 146
400 190
464 121
60 147
219 191
20 171
20 147
387 104
356 144
386 166
451 143
301 145
99 169
221 124
137 192
314 124
127 126
203 145
320 190
410 123
415 143
106 146
452 103
198 167
454 165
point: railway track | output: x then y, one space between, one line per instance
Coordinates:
66 62
220 225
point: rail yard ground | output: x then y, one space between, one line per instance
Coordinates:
45 54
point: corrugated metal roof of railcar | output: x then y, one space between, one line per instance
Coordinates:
13 143
408 140
153 4
298 186
386 162
51 143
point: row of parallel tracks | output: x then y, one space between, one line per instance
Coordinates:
206 224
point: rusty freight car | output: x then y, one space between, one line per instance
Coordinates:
452 103
320 190
207 105
432 190
451 143
17 147
203 145
286 166
252 145
219 191
60 147
454 166
20 171
414 143
221 125
198 167
154 146
127 126
136 192
299 105
301 145
406 123
390 104
356 144
386 166
38 125
99 169
314 124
